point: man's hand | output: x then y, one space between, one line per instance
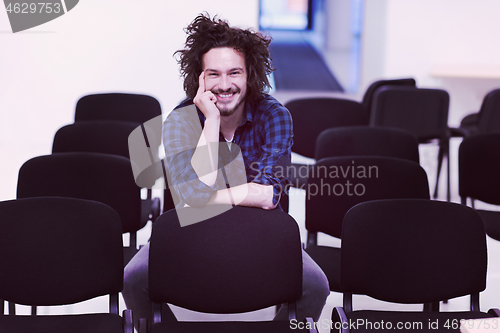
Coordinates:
205 100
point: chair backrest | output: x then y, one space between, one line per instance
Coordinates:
413 250
117 107
241 260
479 168
336 184
313 115
58 251
422 112
364 140
489 114
106 137
92 176
369 93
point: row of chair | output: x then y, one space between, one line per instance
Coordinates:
74 240
392 222
64 250
58 251
388 168
393 154
90 160
391 103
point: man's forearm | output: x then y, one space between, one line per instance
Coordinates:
209 138
250 195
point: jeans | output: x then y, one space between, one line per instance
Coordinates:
315 289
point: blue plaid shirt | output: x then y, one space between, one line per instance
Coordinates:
264 138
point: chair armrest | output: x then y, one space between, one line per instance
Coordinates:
338 315
128 321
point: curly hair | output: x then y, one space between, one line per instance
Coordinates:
205 34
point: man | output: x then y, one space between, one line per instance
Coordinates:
228 144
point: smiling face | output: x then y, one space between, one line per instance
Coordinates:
226 78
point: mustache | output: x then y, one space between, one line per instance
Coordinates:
227 91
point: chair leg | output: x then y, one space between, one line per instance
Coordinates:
448 183
12 308
438 172
444 151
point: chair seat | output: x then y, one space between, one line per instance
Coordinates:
491 221
328 258
227 326
410 321
85 323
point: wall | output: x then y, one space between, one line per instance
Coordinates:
99 46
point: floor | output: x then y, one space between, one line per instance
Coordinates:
428 153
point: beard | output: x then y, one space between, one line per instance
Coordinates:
226 109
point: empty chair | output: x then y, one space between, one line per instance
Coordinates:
336 184
134 108
92 176
241 260
487 120
411 251
107 137
479 176
422 112
367 101
310 117
366 141
59 251
313 115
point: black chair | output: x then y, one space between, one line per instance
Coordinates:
92 176
59 251
479 177
134 108
487 120
310 117
369 94
411 251
241 260
366 141
106 137
336 184
422 112
313 115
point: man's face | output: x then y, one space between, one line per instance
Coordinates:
226 77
